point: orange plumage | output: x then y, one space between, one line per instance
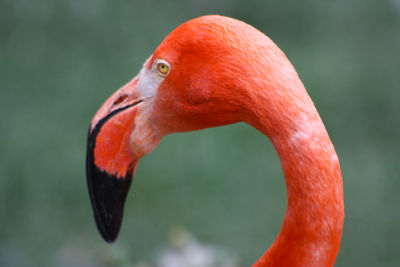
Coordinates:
224 71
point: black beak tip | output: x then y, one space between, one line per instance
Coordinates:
108 196
107 193
109 230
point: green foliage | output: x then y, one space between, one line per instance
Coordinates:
59 60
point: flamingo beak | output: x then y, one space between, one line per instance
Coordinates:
110 165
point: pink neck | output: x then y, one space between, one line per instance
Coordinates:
312 228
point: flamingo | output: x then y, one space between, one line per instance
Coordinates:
213 71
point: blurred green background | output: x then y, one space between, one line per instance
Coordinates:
59 60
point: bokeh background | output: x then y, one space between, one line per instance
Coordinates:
59 60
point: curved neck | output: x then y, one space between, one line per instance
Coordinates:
312 229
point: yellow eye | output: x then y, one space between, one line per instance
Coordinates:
163 68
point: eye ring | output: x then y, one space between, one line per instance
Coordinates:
163 68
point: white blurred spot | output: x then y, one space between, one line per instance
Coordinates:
188 252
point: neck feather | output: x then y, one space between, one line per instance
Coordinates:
312 228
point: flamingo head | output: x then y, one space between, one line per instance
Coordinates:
195 79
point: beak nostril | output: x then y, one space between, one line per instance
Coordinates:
120 99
